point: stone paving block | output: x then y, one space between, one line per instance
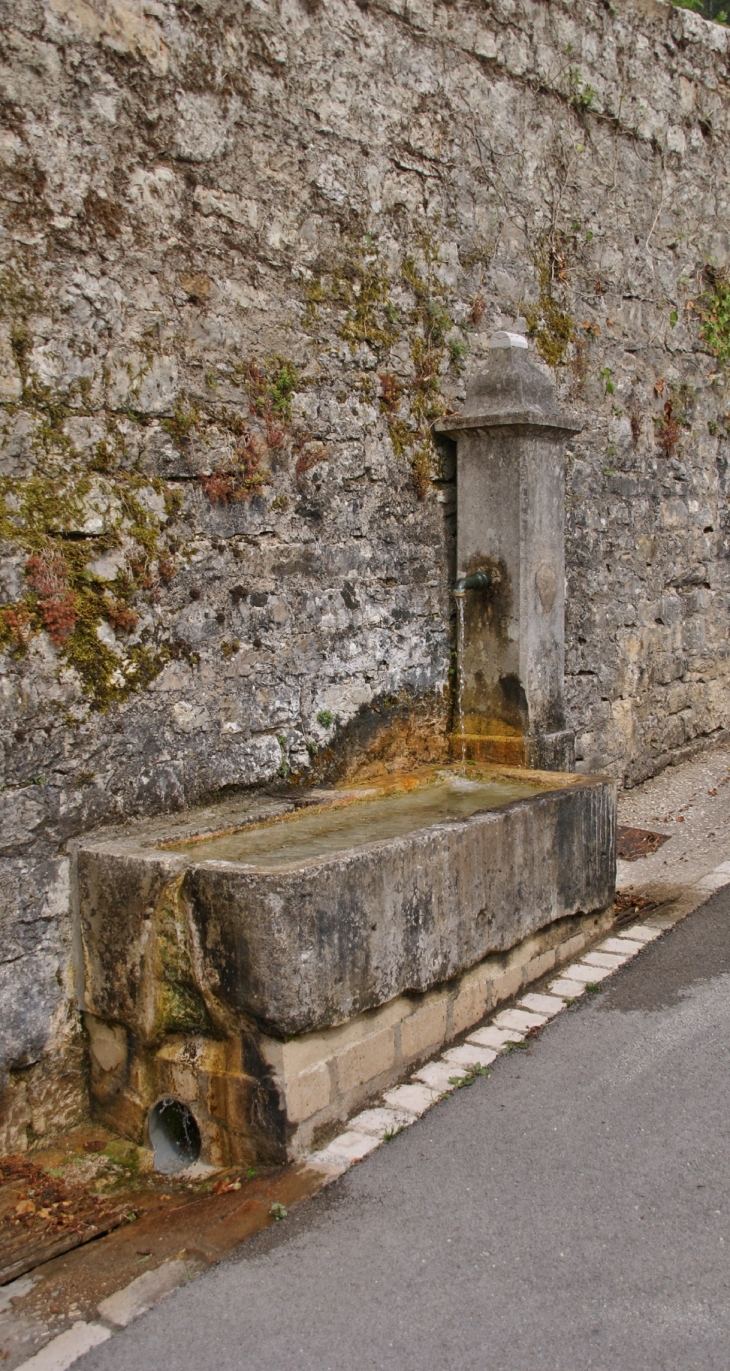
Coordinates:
439 1075
724 867
642 933
619 945
570 990
378 1122
495 1038
469 1054
590 975
520 1019
333 1163
610 960
714 880
347 1148
144 1292
64 1350
416 1099
542 1004
13 1290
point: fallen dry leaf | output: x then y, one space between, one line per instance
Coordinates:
224 1187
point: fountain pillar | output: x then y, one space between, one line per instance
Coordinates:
511 440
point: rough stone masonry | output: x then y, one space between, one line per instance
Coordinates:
250 253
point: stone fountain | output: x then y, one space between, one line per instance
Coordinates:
510 439
255 970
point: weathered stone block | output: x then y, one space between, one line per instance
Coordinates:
506 984
571 947
308 1092
539 966
406 914
471 1000
365 1060
425 1029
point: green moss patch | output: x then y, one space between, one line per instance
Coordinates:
548 323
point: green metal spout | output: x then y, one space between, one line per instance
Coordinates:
479 580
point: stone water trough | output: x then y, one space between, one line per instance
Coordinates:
269 965
254 971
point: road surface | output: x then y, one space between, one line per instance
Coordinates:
569 1212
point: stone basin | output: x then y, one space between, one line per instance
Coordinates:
266 921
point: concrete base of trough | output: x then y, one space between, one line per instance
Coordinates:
272 1000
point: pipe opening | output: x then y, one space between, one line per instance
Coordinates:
174 1135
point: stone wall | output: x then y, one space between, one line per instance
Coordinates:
250 253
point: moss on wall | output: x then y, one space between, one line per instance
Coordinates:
382 311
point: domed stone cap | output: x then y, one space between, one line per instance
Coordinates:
510 389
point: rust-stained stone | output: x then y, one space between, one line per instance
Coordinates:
304 947
270 958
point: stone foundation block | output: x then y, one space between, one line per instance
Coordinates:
540 966
571 948
471 1001
365 1060
507 984
425 1030
308 1092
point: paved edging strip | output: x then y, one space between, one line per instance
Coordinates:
116 1311
64 1350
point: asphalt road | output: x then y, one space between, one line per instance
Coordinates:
569 1212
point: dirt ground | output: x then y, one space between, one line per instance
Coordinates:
83 1218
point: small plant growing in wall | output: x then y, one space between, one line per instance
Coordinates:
674 416
580 94
716 10
75 509
47 575
668 431
16 628
267 433
714 310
